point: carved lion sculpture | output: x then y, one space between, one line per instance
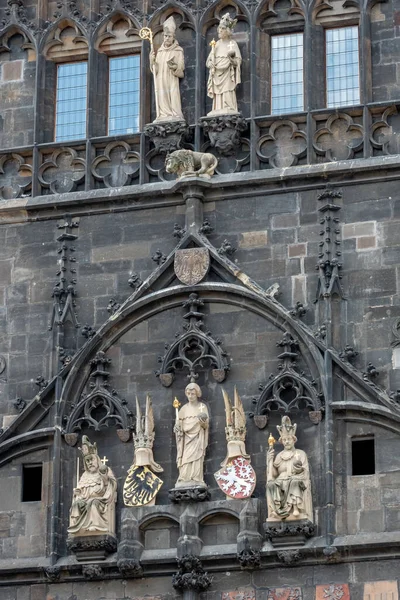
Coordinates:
186 163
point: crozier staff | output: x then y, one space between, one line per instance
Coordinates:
167 66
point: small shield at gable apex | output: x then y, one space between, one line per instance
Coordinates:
260 421
191 265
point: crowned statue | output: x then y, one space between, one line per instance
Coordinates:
167 66
224 63
93 505
288 478
191 431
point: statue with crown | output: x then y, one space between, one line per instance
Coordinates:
91 531
288 478
224 122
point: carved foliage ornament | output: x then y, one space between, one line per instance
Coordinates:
99 407
15 176
62 171
193 350
339 139
289 390
117 166
283 146
191 575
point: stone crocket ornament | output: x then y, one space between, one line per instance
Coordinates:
237 478
288 478
142 485
93 505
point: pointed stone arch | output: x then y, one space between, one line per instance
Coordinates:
65 40
117 33
16 29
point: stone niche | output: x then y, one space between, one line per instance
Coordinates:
160 534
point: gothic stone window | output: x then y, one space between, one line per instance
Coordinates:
342 67
287 95
124 94
71 101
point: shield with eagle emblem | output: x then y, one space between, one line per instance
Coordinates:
238 479
191 265
141 486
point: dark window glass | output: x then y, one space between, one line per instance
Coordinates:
31 483
71 101
363 456
124 94
342 67
287 73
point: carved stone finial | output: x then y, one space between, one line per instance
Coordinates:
191 575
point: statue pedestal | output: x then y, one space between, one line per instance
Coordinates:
189 494
282 534
224 131
167 136
92 547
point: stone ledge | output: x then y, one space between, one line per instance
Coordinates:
170 193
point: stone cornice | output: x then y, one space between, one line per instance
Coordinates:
240 185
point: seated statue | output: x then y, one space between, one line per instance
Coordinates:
93 504
288 478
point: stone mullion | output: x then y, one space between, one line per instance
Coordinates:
145 109
365 76
199 85
254 133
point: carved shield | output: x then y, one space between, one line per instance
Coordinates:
191 265
237 479
141 486
260 421
71 438
124 434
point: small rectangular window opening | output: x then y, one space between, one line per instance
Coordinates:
363 456
32 483
342 67
287 95
71 101
124 94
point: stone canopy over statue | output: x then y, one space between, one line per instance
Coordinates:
224 62
288 478
167 66
191 431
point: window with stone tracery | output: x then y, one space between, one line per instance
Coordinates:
124 94
71 101
342 67
287 95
